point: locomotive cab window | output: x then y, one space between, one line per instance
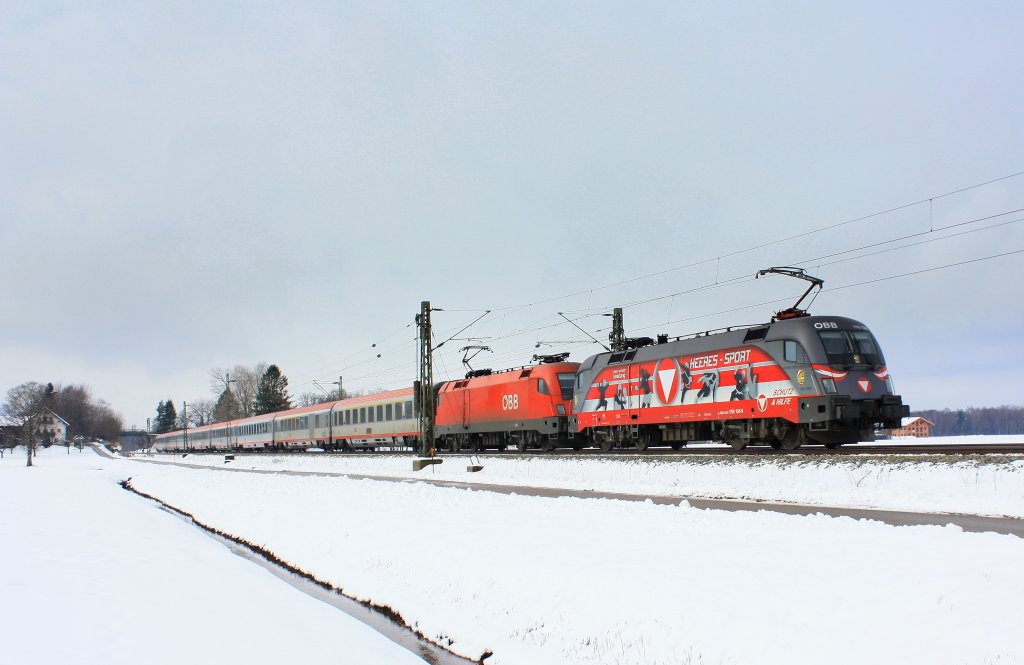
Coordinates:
566 381
850 347
789 350
542 387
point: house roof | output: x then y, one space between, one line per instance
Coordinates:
58 417
906 422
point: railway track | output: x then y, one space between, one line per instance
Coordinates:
981 449
722 451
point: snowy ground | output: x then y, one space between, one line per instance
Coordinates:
538 581
93 574
979 485
568 580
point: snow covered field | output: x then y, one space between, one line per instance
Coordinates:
93 574
599 581
534 580
980 485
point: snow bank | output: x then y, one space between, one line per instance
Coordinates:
558 581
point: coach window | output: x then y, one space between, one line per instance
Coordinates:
388 413
398 410
380 412
362 414
371 414
408 409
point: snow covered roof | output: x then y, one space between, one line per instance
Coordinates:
908 421
58 417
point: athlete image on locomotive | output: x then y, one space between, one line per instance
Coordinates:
796 380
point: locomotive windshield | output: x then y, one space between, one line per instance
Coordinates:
566 382
851 347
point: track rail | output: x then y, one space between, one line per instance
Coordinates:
723 451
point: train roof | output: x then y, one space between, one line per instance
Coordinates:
401 393
513 374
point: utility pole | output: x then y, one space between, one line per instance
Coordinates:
617 336
227 387
184 418
426 382
341 393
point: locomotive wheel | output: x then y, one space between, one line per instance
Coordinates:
678 446
737 442
521 444
641 443
606 444
577 447
793 438
832 445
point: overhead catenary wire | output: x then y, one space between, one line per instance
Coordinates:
764 245
590 310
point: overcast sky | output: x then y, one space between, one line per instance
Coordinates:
192 184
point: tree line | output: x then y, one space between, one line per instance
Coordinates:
28 404
975 420
240 392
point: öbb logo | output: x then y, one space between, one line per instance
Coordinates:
510 402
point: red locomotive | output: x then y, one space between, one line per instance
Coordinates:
528 407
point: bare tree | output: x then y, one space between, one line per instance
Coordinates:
309 399
201 411
336 394
25 405
244 382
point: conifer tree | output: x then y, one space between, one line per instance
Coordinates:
158 422
170 416
272 394
228 407
166 417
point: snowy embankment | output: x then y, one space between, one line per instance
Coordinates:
604 582
93 574
979 485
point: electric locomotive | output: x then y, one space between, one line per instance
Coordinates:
799 379
526 407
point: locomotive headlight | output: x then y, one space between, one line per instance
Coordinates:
830 385
560 408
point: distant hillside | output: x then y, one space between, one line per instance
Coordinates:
975 420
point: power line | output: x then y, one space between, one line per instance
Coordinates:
765 244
